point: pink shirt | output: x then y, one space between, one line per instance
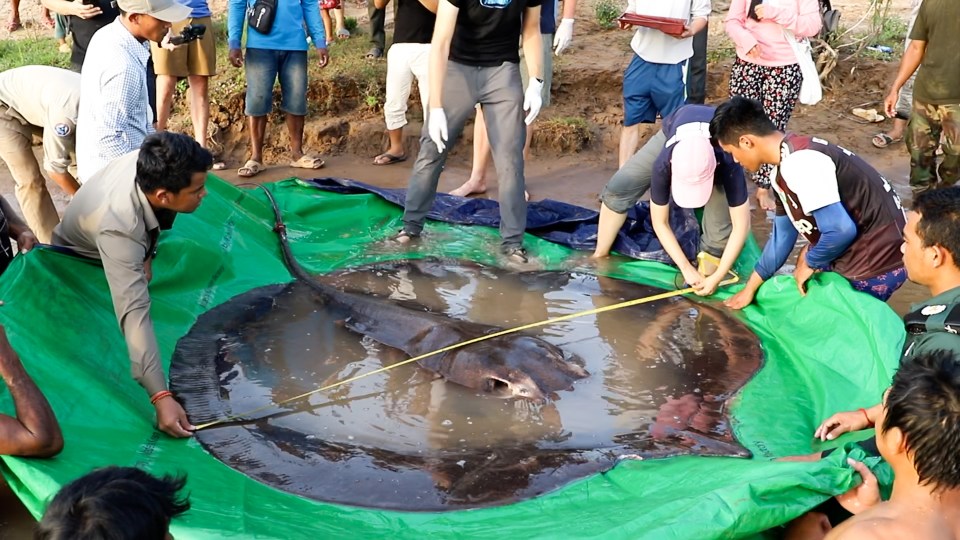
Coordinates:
802 17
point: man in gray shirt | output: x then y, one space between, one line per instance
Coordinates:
117 218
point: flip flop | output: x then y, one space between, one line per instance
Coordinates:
13 26
307 162
250 169
882 140
343 33
388 159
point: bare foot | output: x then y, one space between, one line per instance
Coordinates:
478 187
470 187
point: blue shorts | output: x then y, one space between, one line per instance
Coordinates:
650 88
883 286
262 68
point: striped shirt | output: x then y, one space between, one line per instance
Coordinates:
115 114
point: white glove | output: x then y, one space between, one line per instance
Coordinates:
563 36
437 127
532 101
165 42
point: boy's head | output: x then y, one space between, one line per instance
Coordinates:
114 503
931 237
920 420
172 171
692 165
738 125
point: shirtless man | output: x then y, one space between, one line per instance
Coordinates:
916 428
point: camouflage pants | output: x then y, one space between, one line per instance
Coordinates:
927 123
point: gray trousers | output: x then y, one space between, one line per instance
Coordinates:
500 95
628 184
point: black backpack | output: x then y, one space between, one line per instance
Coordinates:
831 19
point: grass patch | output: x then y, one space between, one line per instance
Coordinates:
352 26
891 33
31 51
717 54
563 134
606 12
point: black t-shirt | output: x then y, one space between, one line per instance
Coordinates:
84 29
413 23
488 31
728 173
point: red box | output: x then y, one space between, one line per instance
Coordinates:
667 25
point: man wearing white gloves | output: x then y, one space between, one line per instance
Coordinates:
559 36
474 60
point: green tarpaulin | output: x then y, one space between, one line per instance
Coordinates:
834 349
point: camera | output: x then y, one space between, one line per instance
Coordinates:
189 33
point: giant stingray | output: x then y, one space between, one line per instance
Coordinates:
662 375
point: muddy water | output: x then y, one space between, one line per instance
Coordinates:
407 439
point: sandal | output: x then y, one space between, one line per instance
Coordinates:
343 33
218 163
374 53
307 162
403 237
882 140
13 26
388 159
250 169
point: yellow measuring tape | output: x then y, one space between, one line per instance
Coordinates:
545 322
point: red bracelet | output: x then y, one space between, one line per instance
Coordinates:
160 395
865 415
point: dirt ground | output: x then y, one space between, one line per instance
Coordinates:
566 165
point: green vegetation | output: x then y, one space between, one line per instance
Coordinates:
31 51
573 122
607 12
562 134
717 54
351 24
891 31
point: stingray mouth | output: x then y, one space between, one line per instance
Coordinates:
501 388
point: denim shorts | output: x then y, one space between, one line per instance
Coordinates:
262 68
650 88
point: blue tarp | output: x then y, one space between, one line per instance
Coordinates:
556 221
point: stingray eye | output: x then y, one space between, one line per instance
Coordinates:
523 391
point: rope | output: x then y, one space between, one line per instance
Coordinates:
281 230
